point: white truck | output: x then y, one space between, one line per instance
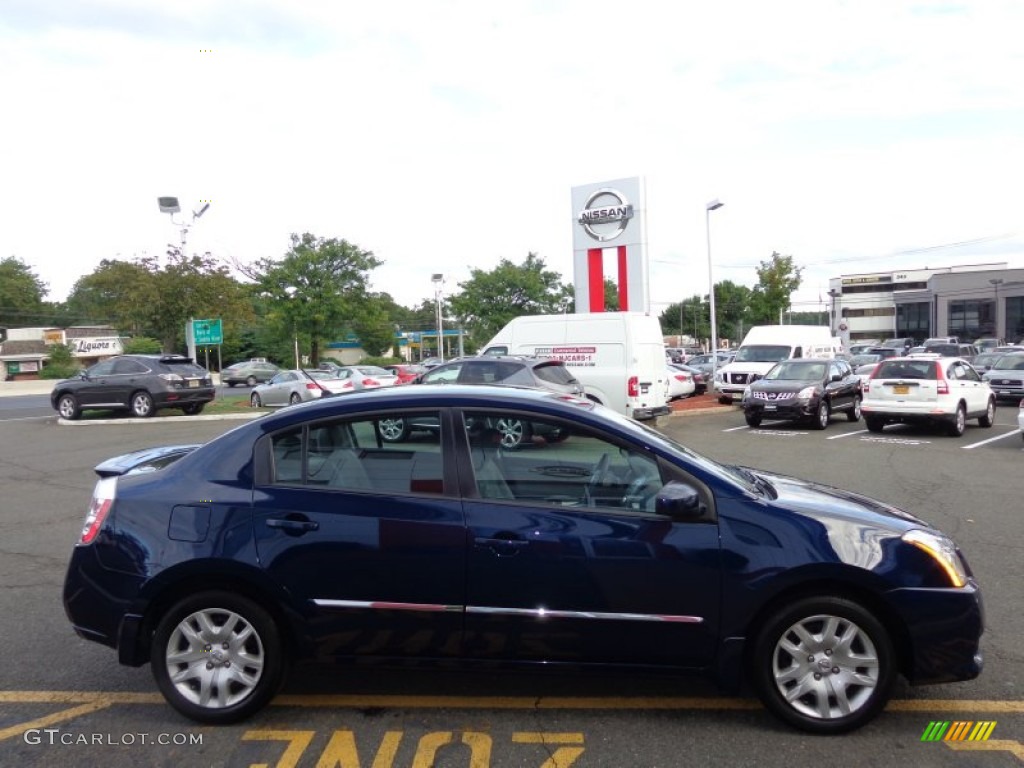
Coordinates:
618 357
764 346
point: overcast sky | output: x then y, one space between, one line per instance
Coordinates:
443 136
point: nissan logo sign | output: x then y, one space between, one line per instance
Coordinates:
605 215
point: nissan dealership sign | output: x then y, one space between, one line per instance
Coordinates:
610 235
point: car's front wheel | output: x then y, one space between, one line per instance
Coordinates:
753 419
217 657
68 408
990 415
254 400
824 664
821 415
142 405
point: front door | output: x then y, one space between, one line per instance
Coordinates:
568 560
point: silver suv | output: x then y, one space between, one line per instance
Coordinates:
506 371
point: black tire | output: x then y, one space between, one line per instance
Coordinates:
227 614
254 400
251 381
842 654
294 398
753 419
873 424
725 399
193 409
990 414
854 413
230 384
141 404
393 430
68 408
821 416
958 425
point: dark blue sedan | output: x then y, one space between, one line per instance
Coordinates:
307 533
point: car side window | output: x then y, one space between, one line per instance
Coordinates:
102 369
355 455
125 365
549 462
443 374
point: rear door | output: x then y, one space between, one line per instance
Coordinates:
966 381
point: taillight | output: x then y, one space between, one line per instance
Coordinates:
312 385
102 500
682 377
941 385
371 383
633 386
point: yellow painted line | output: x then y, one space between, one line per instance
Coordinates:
338 701
56 717
995 745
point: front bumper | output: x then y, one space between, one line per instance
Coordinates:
787 409
944 628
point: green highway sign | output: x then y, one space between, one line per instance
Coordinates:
207 332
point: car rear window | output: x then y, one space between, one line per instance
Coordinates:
186 368
906 369
556 373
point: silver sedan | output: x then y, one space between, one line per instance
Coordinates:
297 386
366 376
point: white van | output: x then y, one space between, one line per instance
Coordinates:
618 357
764 346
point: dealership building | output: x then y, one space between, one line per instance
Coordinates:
969 301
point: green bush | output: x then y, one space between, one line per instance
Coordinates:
61 363
142 345
58 371
380 361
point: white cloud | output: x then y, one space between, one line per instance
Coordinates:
445 136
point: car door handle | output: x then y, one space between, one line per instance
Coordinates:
295 526
502 547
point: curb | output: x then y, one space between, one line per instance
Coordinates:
212 417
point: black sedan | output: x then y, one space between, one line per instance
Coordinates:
305 534
810 389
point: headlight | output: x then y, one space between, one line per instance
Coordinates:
942 550
806 393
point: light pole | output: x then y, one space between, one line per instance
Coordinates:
832 294
290 292
170 205
438 279
996 282
714 205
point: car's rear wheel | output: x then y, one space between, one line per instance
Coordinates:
217 657
854 413
294 398
141 404
68 408
393 430
230 384
990 415
824 664
822 414
254 400
193 409
753 419
251 381
958 425
873 424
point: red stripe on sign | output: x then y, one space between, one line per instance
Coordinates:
595 278
623 280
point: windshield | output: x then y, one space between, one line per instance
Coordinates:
762 353
796 371
1009 363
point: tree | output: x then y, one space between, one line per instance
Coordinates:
21 294
121 293
778 278
732 303
488 300
317 288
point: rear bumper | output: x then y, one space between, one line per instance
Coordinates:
184 396
646 414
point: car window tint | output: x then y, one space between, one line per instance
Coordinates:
353 455
443 374
557 374
102 369
549 462
186 369
127 365
906 369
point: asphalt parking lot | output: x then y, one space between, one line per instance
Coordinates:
64 701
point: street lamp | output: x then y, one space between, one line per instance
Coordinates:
170 205
290 292
833 294
714 205
996 282
438 279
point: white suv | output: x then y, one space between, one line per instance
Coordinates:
944 390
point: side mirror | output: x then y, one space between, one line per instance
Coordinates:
837 377
680 501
